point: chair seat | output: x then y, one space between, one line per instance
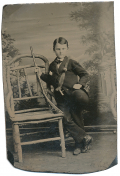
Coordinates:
32 116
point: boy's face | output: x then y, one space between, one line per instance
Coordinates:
61 50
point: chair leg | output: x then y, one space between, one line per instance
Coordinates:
17 144
62 138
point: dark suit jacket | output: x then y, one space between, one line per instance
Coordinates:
74 71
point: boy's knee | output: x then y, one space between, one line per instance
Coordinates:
79 96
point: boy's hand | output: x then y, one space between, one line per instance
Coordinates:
77 86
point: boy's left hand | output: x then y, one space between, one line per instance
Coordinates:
77 86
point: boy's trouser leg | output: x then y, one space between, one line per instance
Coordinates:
80 102
76 131
78 118
72 107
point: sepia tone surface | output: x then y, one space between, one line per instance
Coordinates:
89 29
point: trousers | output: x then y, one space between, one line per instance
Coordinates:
72 106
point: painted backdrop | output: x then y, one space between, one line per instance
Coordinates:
89 29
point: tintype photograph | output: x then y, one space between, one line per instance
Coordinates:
60 91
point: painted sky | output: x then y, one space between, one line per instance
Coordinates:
38 25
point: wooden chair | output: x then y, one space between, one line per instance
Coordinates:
21 89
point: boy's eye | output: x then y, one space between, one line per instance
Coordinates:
60 49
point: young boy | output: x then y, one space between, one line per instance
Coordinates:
70 95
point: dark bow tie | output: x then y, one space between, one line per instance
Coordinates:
58 61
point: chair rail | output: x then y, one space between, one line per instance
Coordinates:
10 112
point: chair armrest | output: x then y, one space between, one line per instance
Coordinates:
53 107
10 112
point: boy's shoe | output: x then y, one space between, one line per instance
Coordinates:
77 151
78 148
86 142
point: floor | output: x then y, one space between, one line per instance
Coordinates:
46 157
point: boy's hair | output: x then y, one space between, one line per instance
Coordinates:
60 40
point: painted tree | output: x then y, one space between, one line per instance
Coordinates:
96 19
90 17
7 45
8 52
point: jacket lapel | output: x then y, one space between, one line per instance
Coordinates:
54 67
